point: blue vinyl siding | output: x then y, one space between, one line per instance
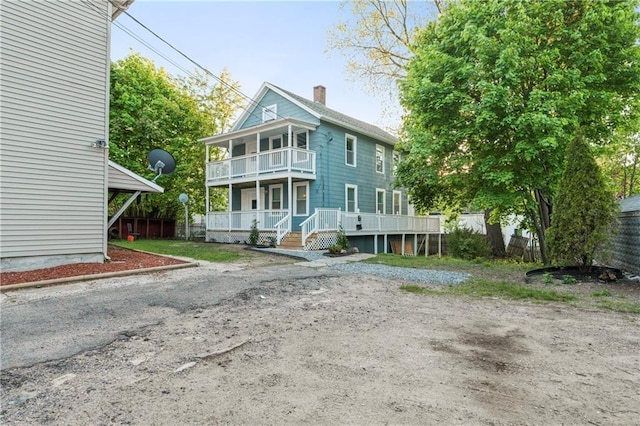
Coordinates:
285 109
328 190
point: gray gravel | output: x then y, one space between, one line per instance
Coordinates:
428 276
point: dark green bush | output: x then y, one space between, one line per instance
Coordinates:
465 243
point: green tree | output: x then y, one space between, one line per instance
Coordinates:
584 210
150 109
497 88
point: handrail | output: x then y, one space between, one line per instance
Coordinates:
308 227
282 228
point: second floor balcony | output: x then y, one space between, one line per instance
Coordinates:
272 164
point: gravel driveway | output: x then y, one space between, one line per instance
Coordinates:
294 345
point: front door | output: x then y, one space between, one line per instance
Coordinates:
250 201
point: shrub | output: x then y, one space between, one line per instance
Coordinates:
584 210
465 243
254 235
342 240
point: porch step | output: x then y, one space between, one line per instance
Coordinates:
293 241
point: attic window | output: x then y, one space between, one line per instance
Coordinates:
269 113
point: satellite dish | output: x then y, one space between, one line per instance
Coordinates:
160 161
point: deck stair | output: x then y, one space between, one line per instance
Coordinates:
293 241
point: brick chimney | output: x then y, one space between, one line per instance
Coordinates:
320 94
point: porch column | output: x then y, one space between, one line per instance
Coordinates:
403 239
290 143
230 155
257 198
229 206
415 244
258 143
290 197
206 200
375 244
386 243
426 245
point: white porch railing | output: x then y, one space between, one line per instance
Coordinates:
354 223
282 228
267 162
268 220
320 220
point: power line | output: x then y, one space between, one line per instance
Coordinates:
252 101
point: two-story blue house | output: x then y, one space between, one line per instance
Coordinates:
302 171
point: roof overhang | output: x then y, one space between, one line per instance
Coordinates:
122 179
119 6
264 128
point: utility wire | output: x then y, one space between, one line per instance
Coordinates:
251 101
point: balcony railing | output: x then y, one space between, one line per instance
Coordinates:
268 162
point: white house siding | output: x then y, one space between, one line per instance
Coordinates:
54 71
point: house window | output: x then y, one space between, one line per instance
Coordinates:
300 139
351 198
269 113
379 158
381 196
397 196
275 142
301 205
396 160
350 148
275 197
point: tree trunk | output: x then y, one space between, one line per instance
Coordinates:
494 236
543 223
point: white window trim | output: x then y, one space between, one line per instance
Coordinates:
269 113
295 138
395 159
271 188
295 201
355 150
399 211
383 154
348 186
384 200
272 138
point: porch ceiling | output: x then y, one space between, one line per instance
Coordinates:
269 128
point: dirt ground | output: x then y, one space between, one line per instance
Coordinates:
347 350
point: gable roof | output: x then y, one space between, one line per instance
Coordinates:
322 112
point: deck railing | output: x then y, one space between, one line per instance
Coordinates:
267 162
268 220
366 223
320 221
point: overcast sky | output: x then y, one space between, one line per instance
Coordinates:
283 43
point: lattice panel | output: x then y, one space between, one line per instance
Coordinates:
321 241
228 237
239 237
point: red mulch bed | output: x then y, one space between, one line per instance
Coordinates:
121 260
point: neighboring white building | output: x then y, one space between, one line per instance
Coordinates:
54 111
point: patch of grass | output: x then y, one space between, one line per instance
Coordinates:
193 249
601 293
485 288
620 306
449 263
